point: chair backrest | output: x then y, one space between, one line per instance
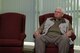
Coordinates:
12 23
42 18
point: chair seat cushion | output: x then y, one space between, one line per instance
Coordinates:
10 42
55 46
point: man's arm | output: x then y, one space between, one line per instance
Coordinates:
69 30
39 31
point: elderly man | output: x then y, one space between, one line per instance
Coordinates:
54 30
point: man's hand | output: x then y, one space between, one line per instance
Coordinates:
69 33
37 34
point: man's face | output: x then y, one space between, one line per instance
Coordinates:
58 13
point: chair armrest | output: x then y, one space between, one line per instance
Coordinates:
22 36
73 37
33 36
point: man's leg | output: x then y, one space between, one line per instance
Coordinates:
42 41
63 44
39 45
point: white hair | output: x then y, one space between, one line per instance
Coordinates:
62 10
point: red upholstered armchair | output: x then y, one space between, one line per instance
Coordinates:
53 48
12 32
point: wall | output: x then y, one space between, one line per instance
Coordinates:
26 7
0 5
50 5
